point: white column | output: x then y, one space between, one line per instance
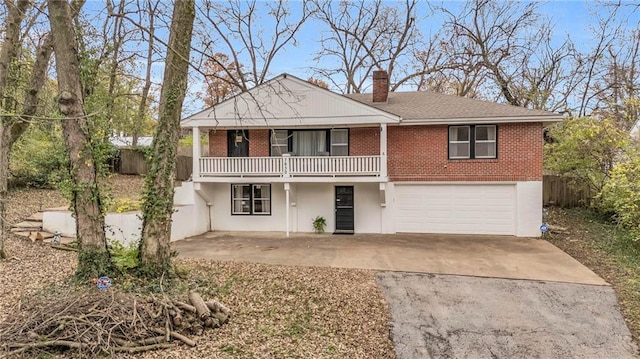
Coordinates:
287 190
383 150
196 154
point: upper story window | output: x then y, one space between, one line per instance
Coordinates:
310 142
279 142
473 141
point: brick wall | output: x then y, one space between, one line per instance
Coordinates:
419 153
258 143
364 141
218 143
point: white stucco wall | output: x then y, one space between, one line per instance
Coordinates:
190 218
308 200
528 208
223 220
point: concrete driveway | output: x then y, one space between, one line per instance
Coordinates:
482 256
501 297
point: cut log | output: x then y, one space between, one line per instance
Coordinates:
185 306
178 336
216 306
152 340
201 308
221 317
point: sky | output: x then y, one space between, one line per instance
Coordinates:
567 17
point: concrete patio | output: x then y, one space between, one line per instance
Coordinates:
469 255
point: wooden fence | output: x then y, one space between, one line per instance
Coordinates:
565 192
132 162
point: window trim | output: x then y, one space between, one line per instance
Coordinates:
328 138
348 144
251 199
472 143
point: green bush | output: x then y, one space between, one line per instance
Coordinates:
621 194
38 158
124 257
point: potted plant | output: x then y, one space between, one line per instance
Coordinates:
319 223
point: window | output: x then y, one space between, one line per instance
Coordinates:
251 199
310 142
340 142
485 141
279 142
473 141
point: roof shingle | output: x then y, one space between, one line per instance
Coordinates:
426 105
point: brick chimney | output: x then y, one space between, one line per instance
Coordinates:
380 86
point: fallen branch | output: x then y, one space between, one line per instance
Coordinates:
178 336
144 348
185 306
64 248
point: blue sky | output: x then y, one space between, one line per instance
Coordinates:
567 17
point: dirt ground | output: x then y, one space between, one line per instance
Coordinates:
444 316
280 311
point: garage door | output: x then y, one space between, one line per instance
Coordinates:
456 209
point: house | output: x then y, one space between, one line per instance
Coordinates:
288 151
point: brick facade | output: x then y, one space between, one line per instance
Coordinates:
419 153
258 143
218 143
364 141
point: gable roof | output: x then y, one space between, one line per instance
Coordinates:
425 107
288 102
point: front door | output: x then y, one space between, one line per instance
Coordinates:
237 143
344 209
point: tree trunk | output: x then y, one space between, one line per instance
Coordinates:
93 257
8 54
155 252
142 108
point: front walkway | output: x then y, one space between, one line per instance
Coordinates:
470 255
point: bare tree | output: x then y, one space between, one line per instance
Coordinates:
93 257
506 46
8 54
252 36
364 36
155 252
151 9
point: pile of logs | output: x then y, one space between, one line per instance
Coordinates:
198 314
108 323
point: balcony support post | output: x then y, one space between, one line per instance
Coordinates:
383 150
195 174
287 192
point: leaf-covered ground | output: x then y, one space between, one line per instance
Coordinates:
280 312
606 250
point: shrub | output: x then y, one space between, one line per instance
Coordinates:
125 204
124 257
38 158
621 193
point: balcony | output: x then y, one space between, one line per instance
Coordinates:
290 167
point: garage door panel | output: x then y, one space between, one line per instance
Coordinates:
463 209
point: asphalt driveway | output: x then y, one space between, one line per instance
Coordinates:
445 316
483 256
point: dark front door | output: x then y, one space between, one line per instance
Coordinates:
344 209
237 143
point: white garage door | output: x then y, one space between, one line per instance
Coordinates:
456 209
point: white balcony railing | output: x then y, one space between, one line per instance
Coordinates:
290 166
